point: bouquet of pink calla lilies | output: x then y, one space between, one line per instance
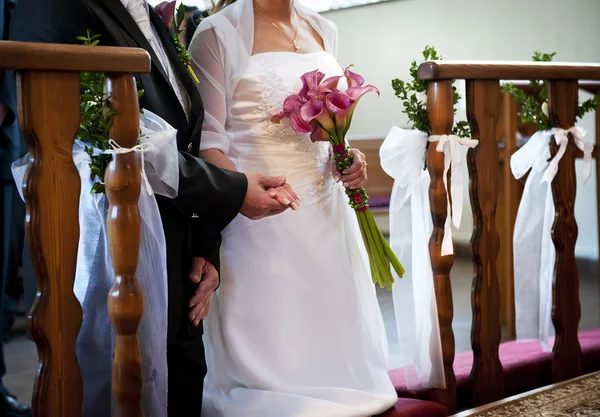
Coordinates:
323 111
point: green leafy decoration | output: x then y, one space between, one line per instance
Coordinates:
95 120
415 108
534 105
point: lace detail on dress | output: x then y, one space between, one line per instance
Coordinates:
272 94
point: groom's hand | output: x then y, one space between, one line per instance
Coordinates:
206 276
266 196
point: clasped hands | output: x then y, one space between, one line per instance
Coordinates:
268 196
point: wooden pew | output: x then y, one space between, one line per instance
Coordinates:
486 380
48 110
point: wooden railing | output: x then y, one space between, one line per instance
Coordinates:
48 111
483 112
511 191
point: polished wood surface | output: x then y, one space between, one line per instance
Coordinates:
566 312
49 119
497 70
441 117
125 301
508 204
30 56
483 112
48 105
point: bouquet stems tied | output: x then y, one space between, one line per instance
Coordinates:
379 252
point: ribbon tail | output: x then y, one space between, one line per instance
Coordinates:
447 247
456 188
552 169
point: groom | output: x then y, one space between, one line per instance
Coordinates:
209 197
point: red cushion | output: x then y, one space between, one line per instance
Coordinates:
526 367
406 407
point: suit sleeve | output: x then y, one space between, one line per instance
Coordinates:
210 196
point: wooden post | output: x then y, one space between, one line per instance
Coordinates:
483 112
566 312
49 119
125 301
440 111
506 216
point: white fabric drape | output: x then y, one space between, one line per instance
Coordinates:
449 145
534 252
94 274
403 157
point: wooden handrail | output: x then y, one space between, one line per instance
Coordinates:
483 110
30 56
48 110
485 70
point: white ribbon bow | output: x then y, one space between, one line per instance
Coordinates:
561 136
449 145
144 147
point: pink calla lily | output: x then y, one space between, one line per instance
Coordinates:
292 102
315 110
354 80
331 82
166 11
355 93
310 80
327 86
319 135
312 109
341 106
298 123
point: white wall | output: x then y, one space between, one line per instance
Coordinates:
381 40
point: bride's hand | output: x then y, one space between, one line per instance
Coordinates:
285 195
356 175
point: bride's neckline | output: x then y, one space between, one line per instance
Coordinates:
287 53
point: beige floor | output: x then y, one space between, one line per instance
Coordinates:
21 357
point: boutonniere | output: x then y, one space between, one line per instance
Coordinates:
174 21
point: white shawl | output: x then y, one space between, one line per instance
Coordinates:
220 51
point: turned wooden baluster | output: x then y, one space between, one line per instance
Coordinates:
125 301
566 312
440 111
483 112
49 119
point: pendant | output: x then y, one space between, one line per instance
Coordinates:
296 47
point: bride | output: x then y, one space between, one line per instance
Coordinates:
295 329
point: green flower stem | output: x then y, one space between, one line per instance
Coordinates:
362 226
380 261
378 236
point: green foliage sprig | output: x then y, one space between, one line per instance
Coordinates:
534 105
95 119
414 97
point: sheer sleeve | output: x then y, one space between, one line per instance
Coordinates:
209 65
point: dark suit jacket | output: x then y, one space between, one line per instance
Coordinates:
211 194
11 142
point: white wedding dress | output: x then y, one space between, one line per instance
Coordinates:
294 329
